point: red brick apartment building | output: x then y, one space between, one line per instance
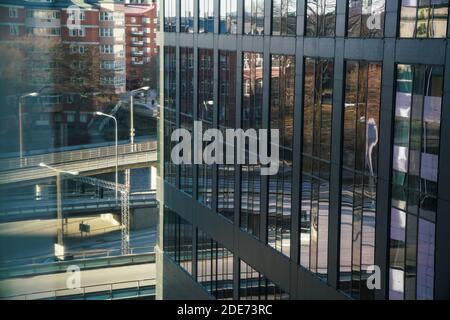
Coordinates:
80 55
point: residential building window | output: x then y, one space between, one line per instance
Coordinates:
252 106
315 180
170 15
107 48
284 17
254 17
227 118
366 18
13 13
282 97
106 16
77 32
415 181
423 19
187 111
83 118
214 267
178 239
321 18
359 176
205 111
255 286
13 30
228 17
170 102
106 32
206 16
70 117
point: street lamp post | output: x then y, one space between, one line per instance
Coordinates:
59 209
21 146
117 149
132 130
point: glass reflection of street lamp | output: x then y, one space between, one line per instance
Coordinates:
21 151
132 130
59 210
208 104
98 113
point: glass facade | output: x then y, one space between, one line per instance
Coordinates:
284 17
252 105
214 267
227 120
228 16
365 175
282 97
170 109
206 16
178 239
254 17
366 18
255 286
315 185
170 15
186 111
359 176
205 113
415 176
320 18
423 19
187 16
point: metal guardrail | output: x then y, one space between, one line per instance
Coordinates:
33 173
109 291
82 204
76 155
12 271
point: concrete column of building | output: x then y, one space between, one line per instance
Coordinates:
215 124
195 113
382 231
238 124
177 105
297 156
442 255
265 125
336 146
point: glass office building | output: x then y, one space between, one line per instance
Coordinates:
359 91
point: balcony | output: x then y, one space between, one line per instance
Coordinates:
137 53
137 43
137 33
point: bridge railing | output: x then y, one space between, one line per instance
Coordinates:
71 205
107 291
75 155
84 260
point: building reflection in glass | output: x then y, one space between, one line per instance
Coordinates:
205 112
227 120
321 18
252 104
255 286
423 19
366 18
315 192
282 99
359 176
214 267
228 16
186 111
415 175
